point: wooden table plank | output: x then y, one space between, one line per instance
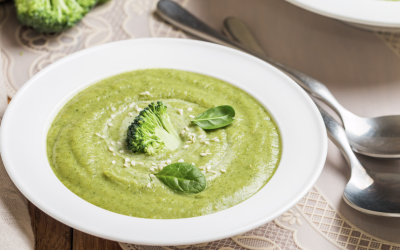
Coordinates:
49 233
83 241
52 234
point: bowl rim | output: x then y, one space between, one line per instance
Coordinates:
379 13
79 214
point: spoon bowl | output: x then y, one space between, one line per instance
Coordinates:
379 198
375 137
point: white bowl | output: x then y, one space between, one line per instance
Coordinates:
367 14
29 115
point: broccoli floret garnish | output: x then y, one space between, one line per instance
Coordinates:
52 15
152 130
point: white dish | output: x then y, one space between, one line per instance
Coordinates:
29 115
367 14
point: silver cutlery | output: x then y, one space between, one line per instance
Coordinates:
376 137
367 191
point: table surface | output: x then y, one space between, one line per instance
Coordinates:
52 234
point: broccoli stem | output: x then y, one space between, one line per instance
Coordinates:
171 141
170 128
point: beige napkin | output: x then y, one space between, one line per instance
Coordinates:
15 224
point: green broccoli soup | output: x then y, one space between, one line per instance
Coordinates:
163 144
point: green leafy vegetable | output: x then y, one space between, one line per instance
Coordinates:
217 117
183 177
152 131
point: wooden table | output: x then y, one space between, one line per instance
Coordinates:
52 234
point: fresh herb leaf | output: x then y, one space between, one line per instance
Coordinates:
183 177
217 117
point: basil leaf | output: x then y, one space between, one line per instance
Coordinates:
217 117
183 177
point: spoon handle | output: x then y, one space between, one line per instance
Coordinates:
336 133
179 17
237 30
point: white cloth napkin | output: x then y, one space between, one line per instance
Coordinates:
15 223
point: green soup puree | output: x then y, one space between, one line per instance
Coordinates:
87 150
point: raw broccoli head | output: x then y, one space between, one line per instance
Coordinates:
52 15
152 130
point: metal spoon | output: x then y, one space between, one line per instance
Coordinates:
377 137
367 191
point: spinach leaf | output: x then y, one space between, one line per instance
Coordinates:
217 117
183 177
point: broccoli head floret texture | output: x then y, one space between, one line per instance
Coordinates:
52 15
152 131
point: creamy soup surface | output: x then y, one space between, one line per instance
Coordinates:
87 150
